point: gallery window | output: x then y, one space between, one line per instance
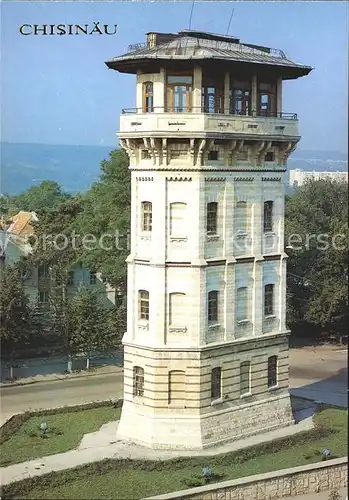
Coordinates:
148 97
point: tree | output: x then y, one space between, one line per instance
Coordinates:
106 215
316 226
17 317
46 196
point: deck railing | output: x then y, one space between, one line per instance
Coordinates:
208 110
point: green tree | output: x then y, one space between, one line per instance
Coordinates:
316 227
107 212
46 196
17 317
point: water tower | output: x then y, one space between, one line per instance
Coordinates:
206 356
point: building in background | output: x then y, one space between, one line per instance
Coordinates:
38 281
299 177
206 347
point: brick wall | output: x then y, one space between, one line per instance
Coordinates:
313 478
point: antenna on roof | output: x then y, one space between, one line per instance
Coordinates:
231 17
191 13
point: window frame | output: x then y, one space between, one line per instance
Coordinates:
242 391
269 298
46 294
148 94
216 383
143 305
213 306
138 382
272 371
93 278
146 216
212 218
268 216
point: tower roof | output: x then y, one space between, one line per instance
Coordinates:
170 49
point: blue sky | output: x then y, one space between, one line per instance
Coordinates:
57 89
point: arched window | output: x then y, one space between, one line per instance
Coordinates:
272 371
177 308
143 304
176 387
138 381
146 216
216 383
212 218
242 303
268 300
212 309
268 216
148 97
245 378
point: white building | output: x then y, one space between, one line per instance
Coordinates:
206 347
299 177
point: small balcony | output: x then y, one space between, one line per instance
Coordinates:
203 121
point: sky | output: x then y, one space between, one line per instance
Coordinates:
57 89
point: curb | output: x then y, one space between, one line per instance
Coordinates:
67 377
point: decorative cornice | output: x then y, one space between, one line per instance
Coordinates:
144 178
244 179
179 179
231 170
271 179
215 179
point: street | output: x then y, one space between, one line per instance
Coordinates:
320 373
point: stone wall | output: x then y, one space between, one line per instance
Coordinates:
313 478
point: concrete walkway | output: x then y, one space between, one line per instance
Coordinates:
103 444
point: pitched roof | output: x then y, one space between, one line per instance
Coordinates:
21 223
190 45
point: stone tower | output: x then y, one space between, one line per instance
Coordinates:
206 348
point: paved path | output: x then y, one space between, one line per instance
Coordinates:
102 444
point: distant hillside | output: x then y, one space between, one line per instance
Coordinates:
74 167
77 167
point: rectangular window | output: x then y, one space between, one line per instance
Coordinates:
270 156
272 371
43 297
212 218
147 216
268 217
178 219
212 310
216 383
176 387
245 370
43 271
177 311
93 278
178 154
268 300
241 217
138 381
143 304
213 156
241 304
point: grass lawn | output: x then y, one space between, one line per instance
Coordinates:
120 479
64 432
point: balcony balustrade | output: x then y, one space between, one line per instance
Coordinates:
179 121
